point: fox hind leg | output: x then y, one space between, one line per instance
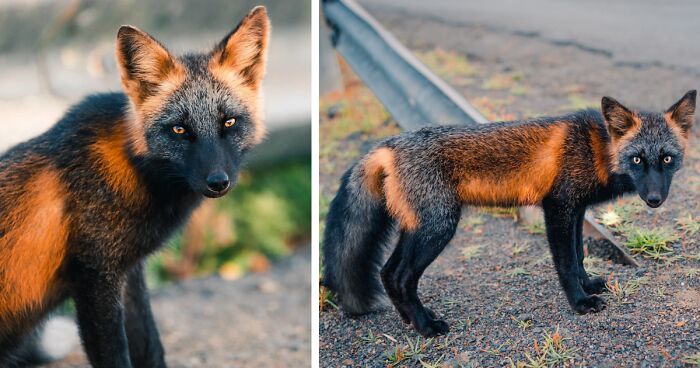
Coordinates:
414 253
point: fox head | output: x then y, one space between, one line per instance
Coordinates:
649 147
198 114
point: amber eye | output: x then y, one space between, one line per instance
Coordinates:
668 159
177 129
230 122
637 160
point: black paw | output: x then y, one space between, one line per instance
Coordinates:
595 285
589 304
433 328
430 313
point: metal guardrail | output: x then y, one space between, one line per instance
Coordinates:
413 94
410 91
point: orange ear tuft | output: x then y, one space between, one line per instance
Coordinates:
144 64
682 113
618 118
244 49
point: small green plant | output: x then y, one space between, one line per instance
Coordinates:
447 64
520 248
471 251
550 352
536 228
412 351
622 292
688 225
692 273
370 338
501 212
326 299
523 324
651 243
695 257
693 359
518 271
435 364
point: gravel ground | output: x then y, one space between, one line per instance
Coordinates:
495 283
261 320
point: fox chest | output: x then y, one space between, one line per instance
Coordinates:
123 235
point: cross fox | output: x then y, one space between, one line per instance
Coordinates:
418 182
83 204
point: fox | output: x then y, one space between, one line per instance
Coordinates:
85 203
413 186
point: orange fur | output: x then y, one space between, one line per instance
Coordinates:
528 183
676 129
381 178
240 64
601 156
116 169
33 246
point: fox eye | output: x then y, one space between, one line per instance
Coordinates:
668 159
179 129
637 160
230 122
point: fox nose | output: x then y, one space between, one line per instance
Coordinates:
654 199
218 182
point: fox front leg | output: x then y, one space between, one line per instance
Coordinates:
591 285
561 222
100 314
145 347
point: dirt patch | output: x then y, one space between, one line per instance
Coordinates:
689 299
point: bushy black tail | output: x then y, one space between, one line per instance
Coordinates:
357 228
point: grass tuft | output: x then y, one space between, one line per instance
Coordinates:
412 351
621 292
693 359
651 243
688 225
552 351
326 299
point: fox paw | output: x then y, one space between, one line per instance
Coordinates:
430 313
433 328
589 304
595 285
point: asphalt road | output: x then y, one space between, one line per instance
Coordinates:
636 32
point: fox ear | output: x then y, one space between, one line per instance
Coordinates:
682 113
243 51
618 118
144 63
